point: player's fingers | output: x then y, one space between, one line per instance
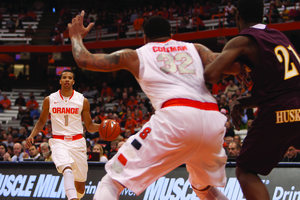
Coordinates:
69 25
78 17
82 14
27 145
90 26
73 20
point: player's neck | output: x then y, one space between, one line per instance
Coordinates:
248 25
162 39
66 92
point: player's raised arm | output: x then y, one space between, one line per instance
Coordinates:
90 126
123 59
40 123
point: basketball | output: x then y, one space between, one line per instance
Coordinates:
109 130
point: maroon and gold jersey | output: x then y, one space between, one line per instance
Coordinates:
278 72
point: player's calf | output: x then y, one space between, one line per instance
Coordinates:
80 188
210 193
108 189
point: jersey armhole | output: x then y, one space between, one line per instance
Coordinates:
141 66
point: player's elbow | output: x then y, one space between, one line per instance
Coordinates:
90 128
82 63
210 78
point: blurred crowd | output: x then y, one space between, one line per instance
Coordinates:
124 105
188 14
112 18
19 13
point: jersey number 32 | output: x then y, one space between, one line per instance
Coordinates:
183 60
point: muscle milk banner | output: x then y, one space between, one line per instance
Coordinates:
40 180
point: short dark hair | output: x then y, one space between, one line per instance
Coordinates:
251 10
34 146
67 70
156 27
2 144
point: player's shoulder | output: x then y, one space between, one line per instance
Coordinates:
46 100
200 47
239 42
54 93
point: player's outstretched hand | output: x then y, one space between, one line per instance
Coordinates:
236 112
76 28
29 142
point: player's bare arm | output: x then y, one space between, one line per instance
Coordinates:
225 62
206 55
123 59
90 126
40 123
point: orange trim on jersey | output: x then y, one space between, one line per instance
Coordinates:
191 103
68 137
62 96
71 95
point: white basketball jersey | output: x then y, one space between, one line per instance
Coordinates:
66 113
170 70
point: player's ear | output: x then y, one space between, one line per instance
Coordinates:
237 16
59 81
73 82
145 39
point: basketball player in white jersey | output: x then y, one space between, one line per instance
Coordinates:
187 126
68 146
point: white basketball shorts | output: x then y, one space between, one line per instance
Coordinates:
173 136
70 153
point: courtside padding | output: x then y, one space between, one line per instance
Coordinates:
40 180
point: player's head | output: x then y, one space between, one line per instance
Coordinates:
249 11
156 27
67 79
67 70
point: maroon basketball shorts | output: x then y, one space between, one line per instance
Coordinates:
273 131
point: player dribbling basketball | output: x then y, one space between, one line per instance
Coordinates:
68 146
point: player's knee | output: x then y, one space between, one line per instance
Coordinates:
68 177
238 172
108 180
62 168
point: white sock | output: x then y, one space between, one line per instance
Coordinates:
211 193
108 189
69 184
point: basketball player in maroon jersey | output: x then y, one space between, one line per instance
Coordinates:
274 67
